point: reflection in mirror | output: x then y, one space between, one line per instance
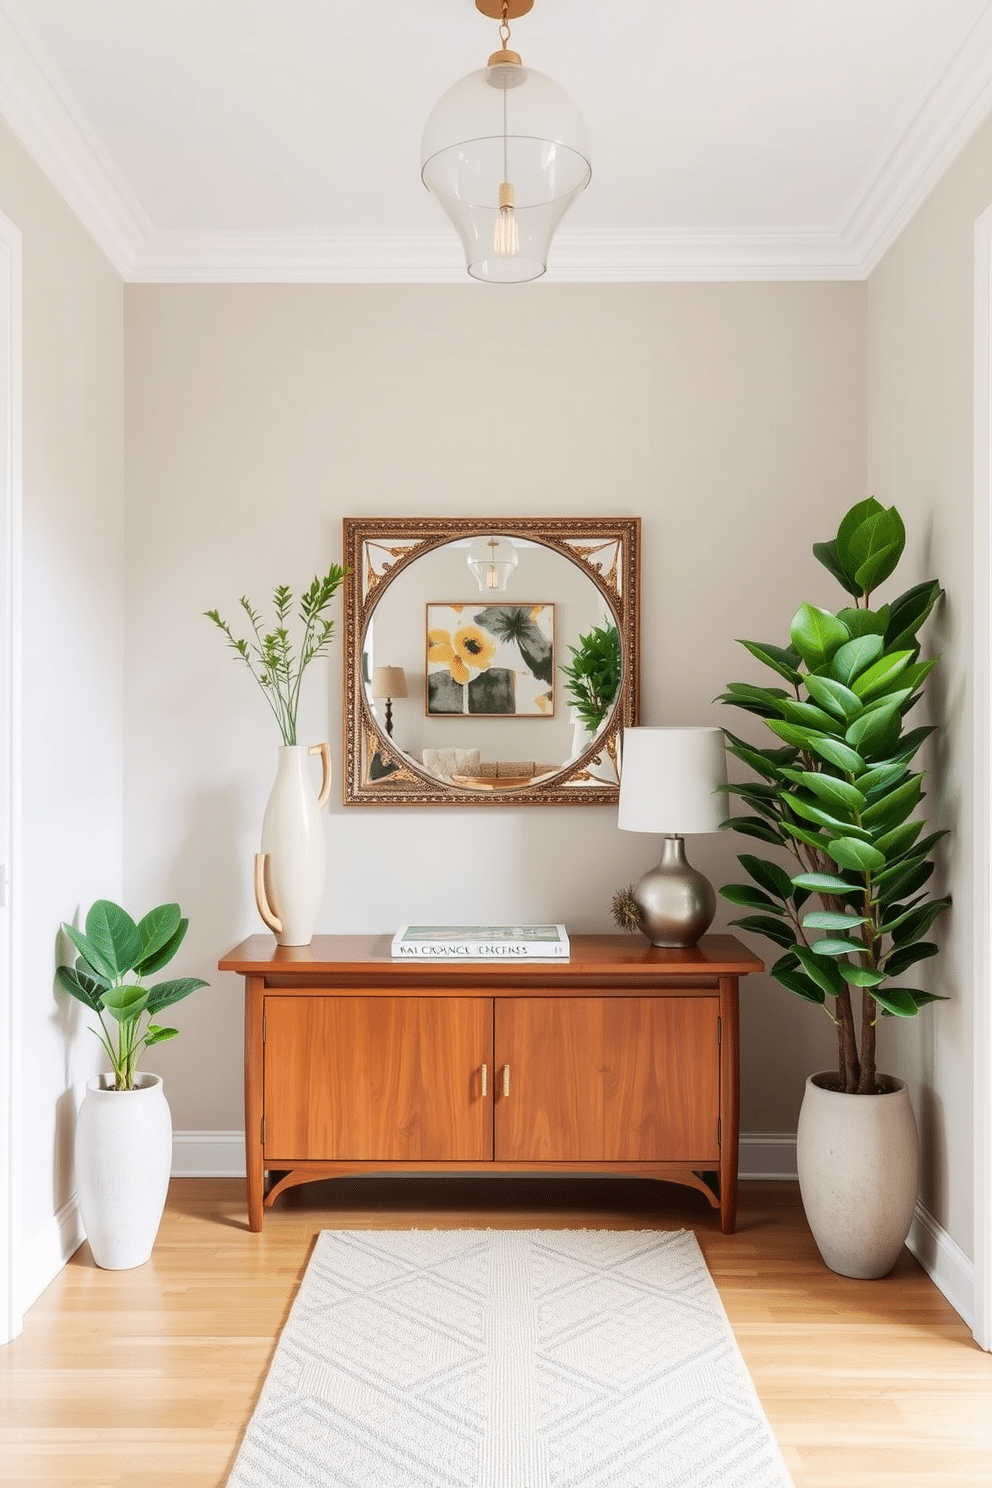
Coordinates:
510 646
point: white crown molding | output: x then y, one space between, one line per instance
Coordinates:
54 133
46 120
944 119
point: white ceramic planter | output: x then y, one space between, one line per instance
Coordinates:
289 870
123 1153
859 1173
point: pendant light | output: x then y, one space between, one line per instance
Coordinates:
492 560
505 153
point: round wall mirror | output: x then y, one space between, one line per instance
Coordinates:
488 661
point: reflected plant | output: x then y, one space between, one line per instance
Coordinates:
593 679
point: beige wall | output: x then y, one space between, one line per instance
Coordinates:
920 457
730 418
72 628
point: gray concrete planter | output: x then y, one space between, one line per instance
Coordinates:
859 1173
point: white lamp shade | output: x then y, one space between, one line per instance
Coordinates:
671 779
388 682
505 123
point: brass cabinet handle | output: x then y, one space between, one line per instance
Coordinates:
506 1079
485 1079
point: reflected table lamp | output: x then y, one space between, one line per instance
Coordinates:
673 782
388 682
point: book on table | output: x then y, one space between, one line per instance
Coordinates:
483 942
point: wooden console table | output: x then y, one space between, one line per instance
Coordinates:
621 1059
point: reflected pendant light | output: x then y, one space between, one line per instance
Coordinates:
492 560
505 153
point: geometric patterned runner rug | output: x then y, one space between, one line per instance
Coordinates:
508 1359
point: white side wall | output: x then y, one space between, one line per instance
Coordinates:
72 631
921 325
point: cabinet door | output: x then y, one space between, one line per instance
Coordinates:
621 1079
376 1078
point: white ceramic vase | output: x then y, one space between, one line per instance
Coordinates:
123 1153
859 1173
289 870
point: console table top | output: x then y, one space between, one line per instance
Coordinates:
603 955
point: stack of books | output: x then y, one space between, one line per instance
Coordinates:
481 942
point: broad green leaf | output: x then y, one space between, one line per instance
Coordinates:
905 881
159 1035
834 696
835 946
103 965
163 994
824 883
751 898
783 661
80 986
884 671
803 834
112 930
775 930
908 612
870 544
896 805
826 553
157 928
836 793
851 852
855 656
900 698
860 976
841 756
880 777
859 513
770 876
764 701
154 962
874 733
920 999
765 762
913 923
819 817
786 971
799 737
808 716
828 919
824 972
905 956
865 622
898 1002
899 840
125 1003
816 634
876 569
752 826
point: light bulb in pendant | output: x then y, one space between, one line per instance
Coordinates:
506 236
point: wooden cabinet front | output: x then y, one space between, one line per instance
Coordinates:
376 1079
607 1079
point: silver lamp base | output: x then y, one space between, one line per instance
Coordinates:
675 903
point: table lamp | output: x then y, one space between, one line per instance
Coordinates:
388 682
673 781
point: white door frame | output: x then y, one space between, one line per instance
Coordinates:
982 684
10 777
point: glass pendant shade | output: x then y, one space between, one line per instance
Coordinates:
505 153
492 560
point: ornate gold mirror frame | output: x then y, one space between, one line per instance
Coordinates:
394 593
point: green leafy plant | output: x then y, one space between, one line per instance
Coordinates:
113 949
271 657
838 792
594 676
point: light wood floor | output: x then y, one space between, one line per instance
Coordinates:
147 1377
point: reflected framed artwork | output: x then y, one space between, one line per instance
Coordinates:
490 660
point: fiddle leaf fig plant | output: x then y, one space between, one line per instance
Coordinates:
838 792
275 662
116 956
593 679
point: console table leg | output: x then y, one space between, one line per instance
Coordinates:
254 1164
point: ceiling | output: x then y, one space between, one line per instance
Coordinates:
278 140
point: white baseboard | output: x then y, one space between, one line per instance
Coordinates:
208 1154
767 1155
221 1154
946 1264
44 1255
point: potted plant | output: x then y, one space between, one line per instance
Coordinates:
592 682
838 793
289 869
123 1144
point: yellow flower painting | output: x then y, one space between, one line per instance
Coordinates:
494 660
